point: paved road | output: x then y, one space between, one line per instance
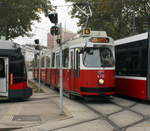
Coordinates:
118 114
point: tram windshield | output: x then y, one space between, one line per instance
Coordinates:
98 57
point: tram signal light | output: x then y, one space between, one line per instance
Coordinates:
53 18
55 30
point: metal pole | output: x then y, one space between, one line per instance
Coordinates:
61 74
39 70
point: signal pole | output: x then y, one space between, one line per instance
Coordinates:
39 71
57 31
39 50
61 74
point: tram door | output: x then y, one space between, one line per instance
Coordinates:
74 69
3 75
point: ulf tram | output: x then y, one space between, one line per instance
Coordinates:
13 75
133 66
88 66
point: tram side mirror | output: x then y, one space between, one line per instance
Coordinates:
80 50
18 50
89 51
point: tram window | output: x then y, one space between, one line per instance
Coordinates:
53 60
131 59
72 60
77 60
57 61
42 62
47 61
65 58
2 67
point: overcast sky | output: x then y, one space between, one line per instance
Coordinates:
41 29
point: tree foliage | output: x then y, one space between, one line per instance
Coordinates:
120 18
17 16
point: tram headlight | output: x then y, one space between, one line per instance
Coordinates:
101 81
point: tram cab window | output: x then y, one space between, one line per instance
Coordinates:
17 67
2 67
91 57
106 55
98 57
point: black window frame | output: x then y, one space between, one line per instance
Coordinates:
2 71
132 58
18 68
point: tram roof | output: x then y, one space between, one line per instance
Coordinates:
8 48
132 38
8 45
79 41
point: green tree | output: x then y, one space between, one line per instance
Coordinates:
17 16
119 18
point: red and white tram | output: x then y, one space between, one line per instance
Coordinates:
133 66
13 75
88 66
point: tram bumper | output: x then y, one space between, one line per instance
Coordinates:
20 93
97 91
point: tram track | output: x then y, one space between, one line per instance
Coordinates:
105 117
123 108
128 108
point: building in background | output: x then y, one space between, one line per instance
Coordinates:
29 51
51 40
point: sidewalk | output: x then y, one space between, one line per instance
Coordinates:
76 117
41 107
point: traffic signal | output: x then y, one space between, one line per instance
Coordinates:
55 30
58 41
53 18
37 47
36 41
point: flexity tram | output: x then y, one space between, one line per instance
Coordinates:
88 66
13 75
133 66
